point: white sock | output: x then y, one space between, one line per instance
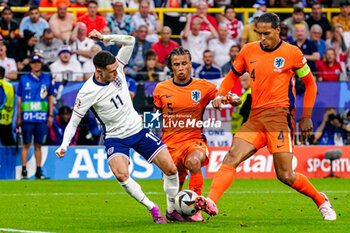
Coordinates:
134 189
171 188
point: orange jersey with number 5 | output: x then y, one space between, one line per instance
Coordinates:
182 105
272 73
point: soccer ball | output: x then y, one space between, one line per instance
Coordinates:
185 202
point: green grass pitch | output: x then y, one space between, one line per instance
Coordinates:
250 205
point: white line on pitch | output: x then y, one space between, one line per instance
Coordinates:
154 193
24 231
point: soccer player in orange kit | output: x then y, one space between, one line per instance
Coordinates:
271 64
182 101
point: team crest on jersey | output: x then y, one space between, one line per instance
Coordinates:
118 82
279 62
77 103
43 91
196 95
110 150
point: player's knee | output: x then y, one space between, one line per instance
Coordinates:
286 177
121 177
193 164
171 170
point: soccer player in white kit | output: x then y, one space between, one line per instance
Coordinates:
106 94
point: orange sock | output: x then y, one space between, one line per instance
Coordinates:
222 181
303 185
196 183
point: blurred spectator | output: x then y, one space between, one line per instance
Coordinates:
60 122
26 49
119 22
195 40
44 67
338 43
208 71
91 19
9 30
89 67
164 46
81 45
108 46
62 22
241 114
7 104
316 17
234 50
219 46
9 64
207 20
148 18
34 111
235 27
296 18
343 18
137 60
33 23
46 3
307 46
331 131
260 5
105 4
315 36
284 34
66 68
150 72
174 20
249 35
49 46
79 4
328 69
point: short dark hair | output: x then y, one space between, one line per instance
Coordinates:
150 53
2 72
207 51
316 3
229 7
298 10
64 109
236 46
103 59
47 30
178 51
6 8
93 2
33 8
270 17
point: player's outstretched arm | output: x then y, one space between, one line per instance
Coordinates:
68 135
128 43
306 126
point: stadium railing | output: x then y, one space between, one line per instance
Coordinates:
161 11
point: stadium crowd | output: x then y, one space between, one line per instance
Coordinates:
60 43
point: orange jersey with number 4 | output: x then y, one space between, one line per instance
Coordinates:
182 106
272 73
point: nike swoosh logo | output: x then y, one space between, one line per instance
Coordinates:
252 62
279 146
168 96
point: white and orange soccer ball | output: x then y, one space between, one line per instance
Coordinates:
185 202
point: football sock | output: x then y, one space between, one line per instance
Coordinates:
303 185
171 188
196 183
134 189
222 181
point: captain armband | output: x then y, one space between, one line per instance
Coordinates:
303 71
